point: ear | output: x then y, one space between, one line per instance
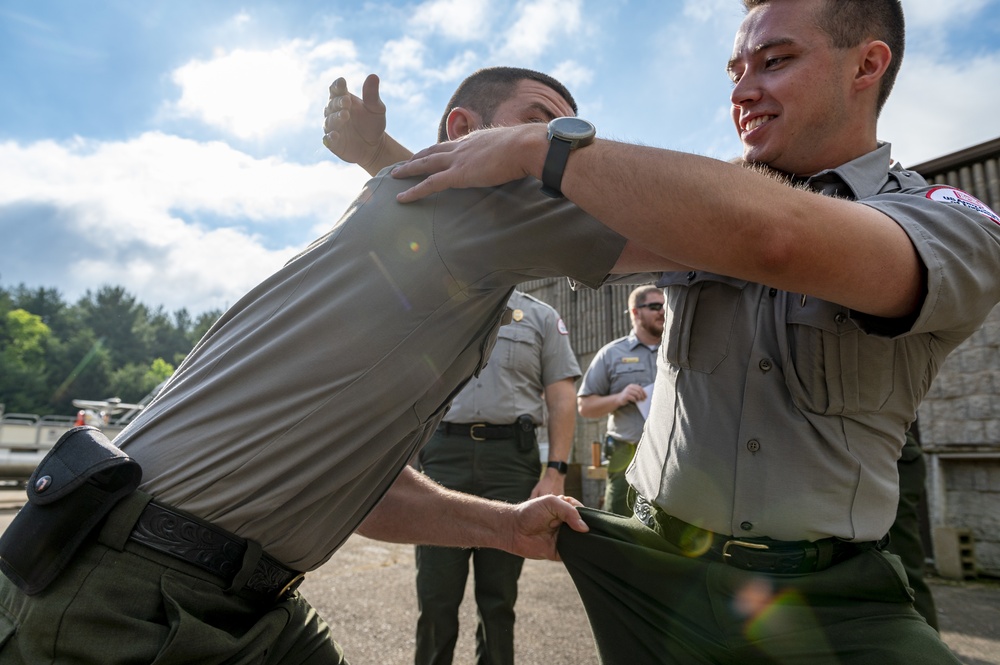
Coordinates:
461 121
873 59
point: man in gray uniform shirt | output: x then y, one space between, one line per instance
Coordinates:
290 425
803 328
486 443
616 381
486 446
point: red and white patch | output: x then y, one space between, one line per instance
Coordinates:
563 330
958 197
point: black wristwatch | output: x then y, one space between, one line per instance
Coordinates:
565 134
561 467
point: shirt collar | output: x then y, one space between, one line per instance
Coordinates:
859 178
634 341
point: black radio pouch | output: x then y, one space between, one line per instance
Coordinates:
525 428
73 488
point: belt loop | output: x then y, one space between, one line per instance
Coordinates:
824 553
250 560
119 524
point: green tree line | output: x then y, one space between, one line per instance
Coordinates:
105 345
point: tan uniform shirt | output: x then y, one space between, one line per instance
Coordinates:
616 366
298 409
781 415
531 352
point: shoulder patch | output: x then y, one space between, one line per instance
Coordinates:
945 194
563 330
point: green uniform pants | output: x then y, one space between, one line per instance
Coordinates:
648 603
904 536
118 602
495 469
619 454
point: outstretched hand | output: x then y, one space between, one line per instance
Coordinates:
354 129
484 158
536 525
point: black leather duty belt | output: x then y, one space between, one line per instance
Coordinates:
479 431
214 550
762 555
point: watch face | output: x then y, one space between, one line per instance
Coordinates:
571 128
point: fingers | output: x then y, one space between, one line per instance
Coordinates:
370 95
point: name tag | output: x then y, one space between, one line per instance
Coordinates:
630 360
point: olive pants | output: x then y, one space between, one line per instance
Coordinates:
904 535
495 469
647 603
119 602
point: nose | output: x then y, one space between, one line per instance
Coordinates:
745 91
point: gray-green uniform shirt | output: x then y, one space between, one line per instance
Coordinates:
531 352
297 410
781 415
615 366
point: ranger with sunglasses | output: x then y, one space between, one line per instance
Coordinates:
616 382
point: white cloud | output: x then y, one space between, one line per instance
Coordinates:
170 215
537 24
461 20
919 118
572 74
254 93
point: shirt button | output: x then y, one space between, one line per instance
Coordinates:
772 292
840 318
691 275
753 445
746 526
765 365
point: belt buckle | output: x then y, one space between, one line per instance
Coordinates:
472 432
292 585
741 543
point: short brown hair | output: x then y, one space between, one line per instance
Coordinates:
639 294
849 22
485 89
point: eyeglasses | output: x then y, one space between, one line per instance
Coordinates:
652 306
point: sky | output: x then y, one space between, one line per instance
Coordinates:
173 147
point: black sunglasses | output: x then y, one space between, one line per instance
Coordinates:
653 306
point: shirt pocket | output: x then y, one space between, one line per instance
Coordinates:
831 366
517 342
701 311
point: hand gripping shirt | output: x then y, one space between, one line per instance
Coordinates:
781 415
531 352
293 415
615 366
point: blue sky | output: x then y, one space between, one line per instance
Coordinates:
173 147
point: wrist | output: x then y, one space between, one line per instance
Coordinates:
558 466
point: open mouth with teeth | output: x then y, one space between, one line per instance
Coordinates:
754 123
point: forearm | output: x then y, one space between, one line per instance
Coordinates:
389 152
417 510
597 406
560 400
722 218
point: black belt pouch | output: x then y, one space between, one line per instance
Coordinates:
73 488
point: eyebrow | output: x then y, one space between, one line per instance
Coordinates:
763 46
545 110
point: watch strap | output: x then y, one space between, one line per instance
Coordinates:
555 165
561 467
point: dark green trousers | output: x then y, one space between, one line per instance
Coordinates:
648 603
495 469
904 536
118 602
616 489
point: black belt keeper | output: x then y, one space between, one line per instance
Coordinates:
762 555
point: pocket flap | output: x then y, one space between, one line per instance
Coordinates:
80 454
